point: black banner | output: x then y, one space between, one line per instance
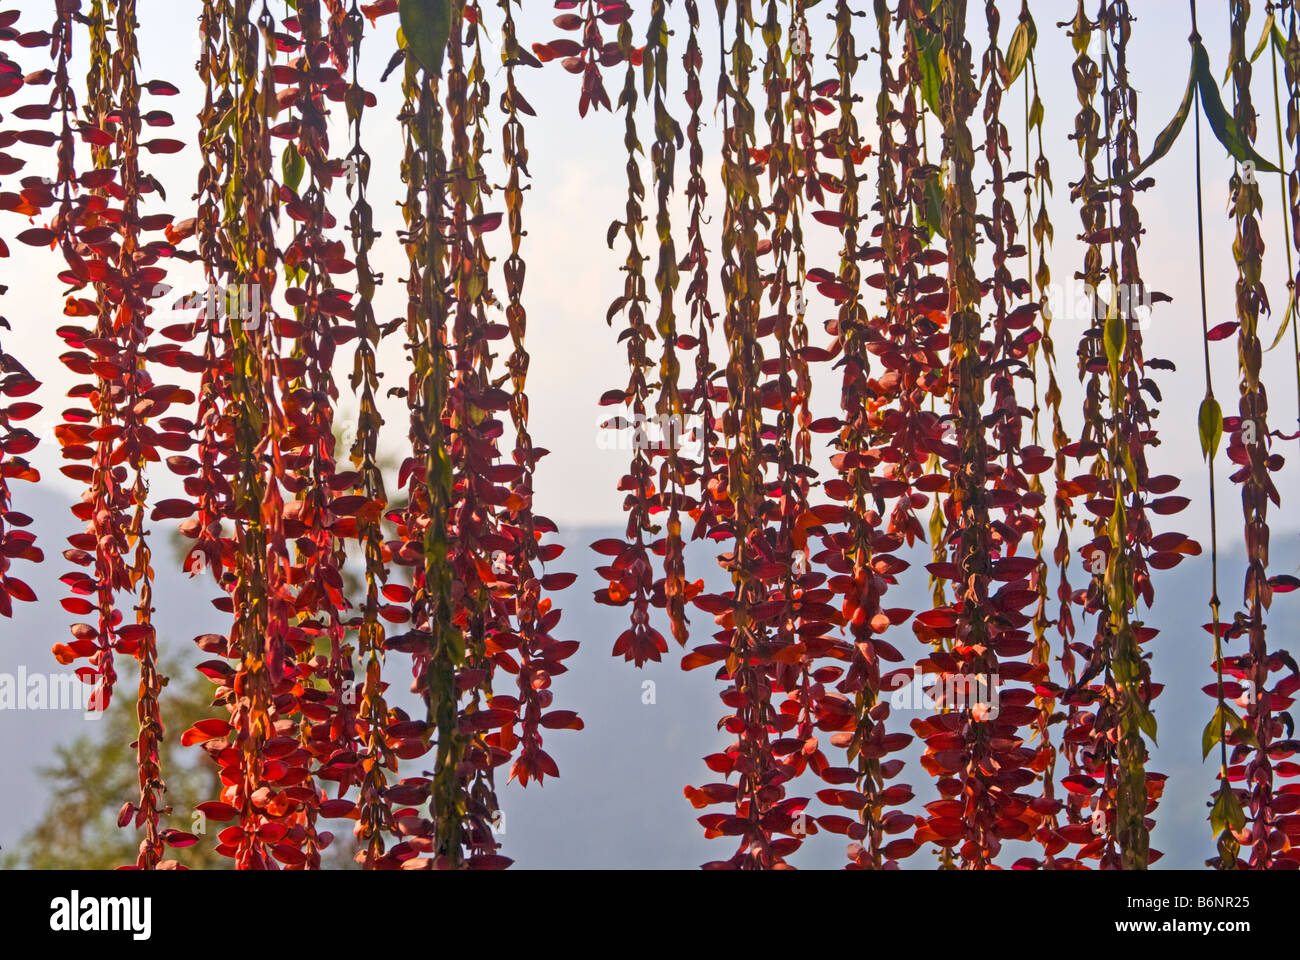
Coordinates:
185 908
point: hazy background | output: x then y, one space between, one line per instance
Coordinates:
619 801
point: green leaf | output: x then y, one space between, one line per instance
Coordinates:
1227 810
928 47
1263 38
1210 736
1147 722
1022 42
1269 31
226 122
1080 32
1286 320
1224 127
1166 138
1116 335
932 215
293 166
1210 421
426 27
1224 719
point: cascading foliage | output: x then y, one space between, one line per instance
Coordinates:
873 240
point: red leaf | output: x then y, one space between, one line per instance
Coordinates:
211 728
486 222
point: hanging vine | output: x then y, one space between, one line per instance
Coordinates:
1250 448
